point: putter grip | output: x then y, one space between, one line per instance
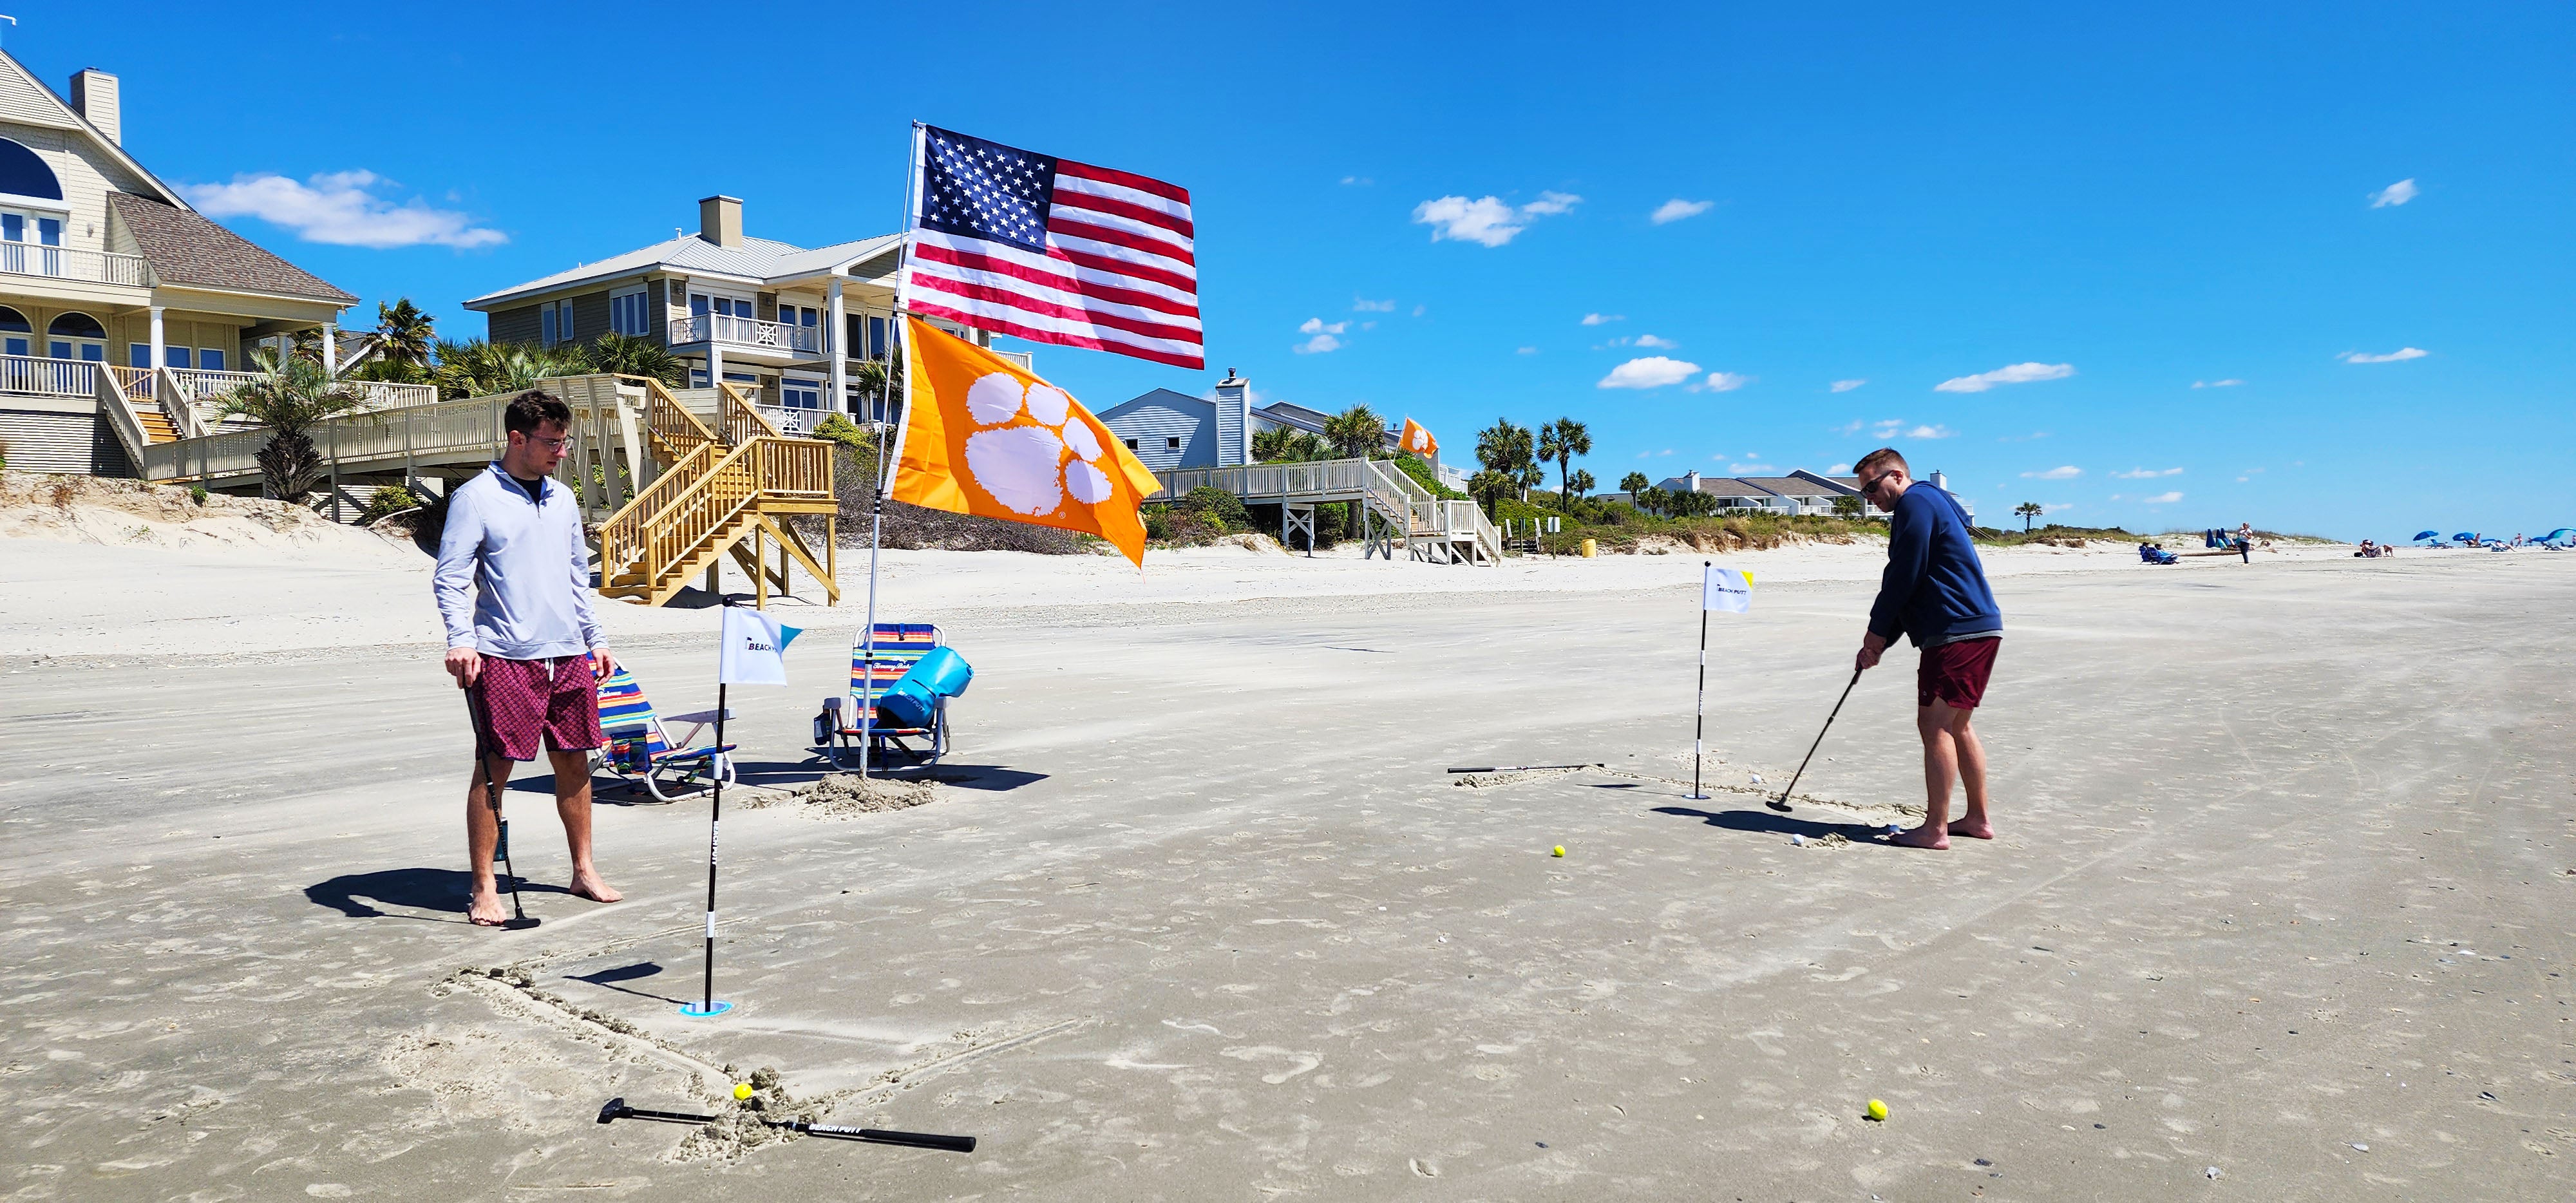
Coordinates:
885 1136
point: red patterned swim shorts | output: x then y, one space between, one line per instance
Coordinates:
518 701
1956 673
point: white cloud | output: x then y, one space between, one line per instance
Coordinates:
338 208
2162 498
2018 373
2061 472
1649 340
2146 473
1930 432
1418 310
1741 469
1526 351
1357 180
1845 386
1665 451
1487 220
2399 355
1653 371
2231 382
1838 469
1676 209
2395 194
1849 428
1722 382
1895 428
1364 305
1315 325
1595 319
1318 345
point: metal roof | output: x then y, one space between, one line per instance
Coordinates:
757 259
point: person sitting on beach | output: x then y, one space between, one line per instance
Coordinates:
513 589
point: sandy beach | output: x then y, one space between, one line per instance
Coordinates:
2278 909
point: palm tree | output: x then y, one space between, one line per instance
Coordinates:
873 381
631 356
289 396
1284 444
1507 449
404 333
1634 483
1489 487
475 368
2027 511
1356 433
1579 484
1651 499
1562 440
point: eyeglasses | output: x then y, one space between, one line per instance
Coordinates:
550 444
1871 485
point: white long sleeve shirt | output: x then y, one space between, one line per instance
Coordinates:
523 558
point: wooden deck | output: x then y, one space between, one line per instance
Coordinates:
1394 507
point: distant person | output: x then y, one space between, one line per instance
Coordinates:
1934 592
513 588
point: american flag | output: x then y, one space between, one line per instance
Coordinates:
1053 251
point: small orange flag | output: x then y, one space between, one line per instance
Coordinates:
1417 440
983 436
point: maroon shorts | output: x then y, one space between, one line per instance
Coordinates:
518 701
1956 672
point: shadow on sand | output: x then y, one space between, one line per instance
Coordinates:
444 890
1766 822
608 979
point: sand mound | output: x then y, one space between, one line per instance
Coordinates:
844 795
90 509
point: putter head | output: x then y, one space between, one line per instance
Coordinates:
614 1109
1780 803
522 923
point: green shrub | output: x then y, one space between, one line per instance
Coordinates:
1215 503
847 433
197 493
387 500
1415 467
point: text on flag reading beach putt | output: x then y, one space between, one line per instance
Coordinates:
1053 251
984 436
1726 589
754 648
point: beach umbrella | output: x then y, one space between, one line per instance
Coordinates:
2422 535
2464 537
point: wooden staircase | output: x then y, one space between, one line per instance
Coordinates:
720 497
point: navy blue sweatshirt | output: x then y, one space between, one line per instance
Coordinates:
1935 587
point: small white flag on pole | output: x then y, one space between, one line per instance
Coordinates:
752 650
1726 589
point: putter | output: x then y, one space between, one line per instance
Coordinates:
616 1109
1526 768
501 833
1781 803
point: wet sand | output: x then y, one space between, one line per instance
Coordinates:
2285 871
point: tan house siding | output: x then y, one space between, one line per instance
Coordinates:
514 325
86 176
766 305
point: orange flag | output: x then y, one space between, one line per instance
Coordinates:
1417 440
983 436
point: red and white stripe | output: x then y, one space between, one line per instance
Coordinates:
1119 273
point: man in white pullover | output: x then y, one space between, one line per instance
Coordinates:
513 588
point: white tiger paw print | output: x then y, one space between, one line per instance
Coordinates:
1025 466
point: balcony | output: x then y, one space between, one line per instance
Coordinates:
73 263
748 334
32 374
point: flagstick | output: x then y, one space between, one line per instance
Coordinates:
708 1005
1699 709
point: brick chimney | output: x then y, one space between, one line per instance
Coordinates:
94 95
720 220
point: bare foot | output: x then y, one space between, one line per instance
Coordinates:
1975 831
586 884
485 910
1921 837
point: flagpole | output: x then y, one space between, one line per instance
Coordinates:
1699 708
707 1005
895 339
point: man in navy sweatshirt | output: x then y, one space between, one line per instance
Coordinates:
1935 593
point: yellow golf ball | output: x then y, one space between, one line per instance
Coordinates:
1559 850
1877 1110
742 1090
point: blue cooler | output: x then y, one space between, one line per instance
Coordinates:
914 697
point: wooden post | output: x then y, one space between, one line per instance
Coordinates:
759 571
832 558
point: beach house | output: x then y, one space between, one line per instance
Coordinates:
105 271
1800 492
784 323
1170 430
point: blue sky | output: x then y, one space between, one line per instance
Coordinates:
2308 267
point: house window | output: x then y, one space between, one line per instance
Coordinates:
626 314
800 394
546 324
16 336
76 335
210 359
178 356
1172 443
138 355
1131 444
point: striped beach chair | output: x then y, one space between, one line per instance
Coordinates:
849 720
641 752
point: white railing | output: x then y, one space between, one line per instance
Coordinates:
205 386
385 394
1381 484
48 377
746 332
791 421
74 263
391 436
